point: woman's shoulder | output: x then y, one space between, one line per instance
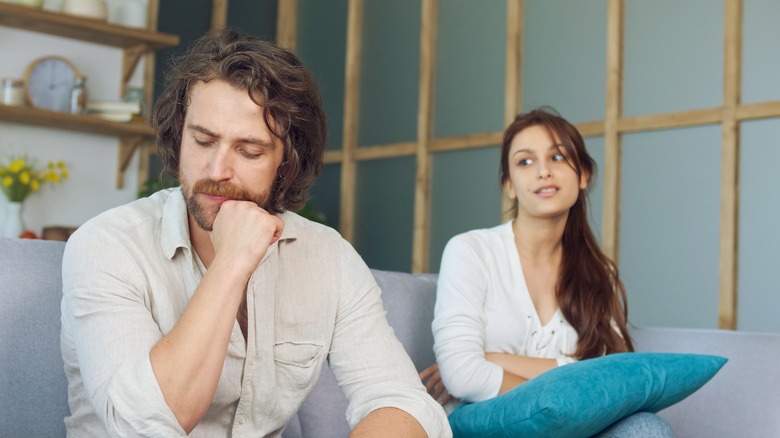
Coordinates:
484 235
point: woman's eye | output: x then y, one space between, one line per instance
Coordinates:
558 157
203 142
524 162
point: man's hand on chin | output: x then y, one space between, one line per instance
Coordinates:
243 232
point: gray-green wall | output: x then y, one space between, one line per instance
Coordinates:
670 197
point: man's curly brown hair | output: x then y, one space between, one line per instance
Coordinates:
275 79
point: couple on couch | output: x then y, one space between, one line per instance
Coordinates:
209 310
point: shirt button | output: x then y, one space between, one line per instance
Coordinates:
241 419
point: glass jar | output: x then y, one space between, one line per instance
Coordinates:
13 91
137 94
78 96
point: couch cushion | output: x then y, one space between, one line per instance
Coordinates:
33 387
743 399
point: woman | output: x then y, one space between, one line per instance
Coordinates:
536 292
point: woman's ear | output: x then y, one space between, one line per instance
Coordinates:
584 180
509 189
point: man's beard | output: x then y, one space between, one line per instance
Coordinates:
205 215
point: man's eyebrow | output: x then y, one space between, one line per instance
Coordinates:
247 140
201 129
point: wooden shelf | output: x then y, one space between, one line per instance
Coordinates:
84 29
131 135
71 122
134 43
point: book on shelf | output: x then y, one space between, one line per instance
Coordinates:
115 110
113 116
114 106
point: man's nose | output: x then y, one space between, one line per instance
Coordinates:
221 166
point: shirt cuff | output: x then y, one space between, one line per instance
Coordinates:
565 360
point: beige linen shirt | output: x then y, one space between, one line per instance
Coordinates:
128 275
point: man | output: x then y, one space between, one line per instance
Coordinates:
209 310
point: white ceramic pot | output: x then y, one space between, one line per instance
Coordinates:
131 13
86 8
30 3
12 223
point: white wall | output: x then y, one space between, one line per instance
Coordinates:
92 159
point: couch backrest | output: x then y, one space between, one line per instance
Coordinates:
742 400
33 387
408 300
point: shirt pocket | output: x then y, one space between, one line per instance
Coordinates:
297 363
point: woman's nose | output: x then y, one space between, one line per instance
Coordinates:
543 171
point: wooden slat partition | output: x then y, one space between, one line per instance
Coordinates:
759 110
729 116
219 13
513 82
729 178
708 116
393 150
351 106
422 204
469 141
612 144
287 24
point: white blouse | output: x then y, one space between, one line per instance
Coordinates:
483 306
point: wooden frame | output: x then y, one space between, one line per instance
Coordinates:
729 191
729 116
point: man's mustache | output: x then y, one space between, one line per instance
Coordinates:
222 189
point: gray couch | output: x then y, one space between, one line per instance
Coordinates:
742 400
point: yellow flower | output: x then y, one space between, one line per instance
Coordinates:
16 165
22 176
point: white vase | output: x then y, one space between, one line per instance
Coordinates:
130 13
86 8
12 224
30 3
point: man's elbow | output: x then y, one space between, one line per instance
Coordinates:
388 422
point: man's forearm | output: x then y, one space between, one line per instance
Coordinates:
188 361
390 423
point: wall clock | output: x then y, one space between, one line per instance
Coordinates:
49 81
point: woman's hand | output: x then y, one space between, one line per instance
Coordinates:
433 384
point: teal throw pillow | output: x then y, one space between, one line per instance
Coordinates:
583 398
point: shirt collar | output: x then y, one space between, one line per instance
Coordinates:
175 227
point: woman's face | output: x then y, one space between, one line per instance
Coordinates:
540 178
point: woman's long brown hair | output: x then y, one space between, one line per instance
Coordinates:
589 291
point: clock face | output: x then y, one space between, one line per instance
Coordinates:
49 83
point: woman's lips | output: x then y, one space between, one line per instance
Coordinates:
546 191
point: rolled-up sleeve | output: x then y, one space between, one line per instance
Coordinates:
368 361
106 314
459 326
